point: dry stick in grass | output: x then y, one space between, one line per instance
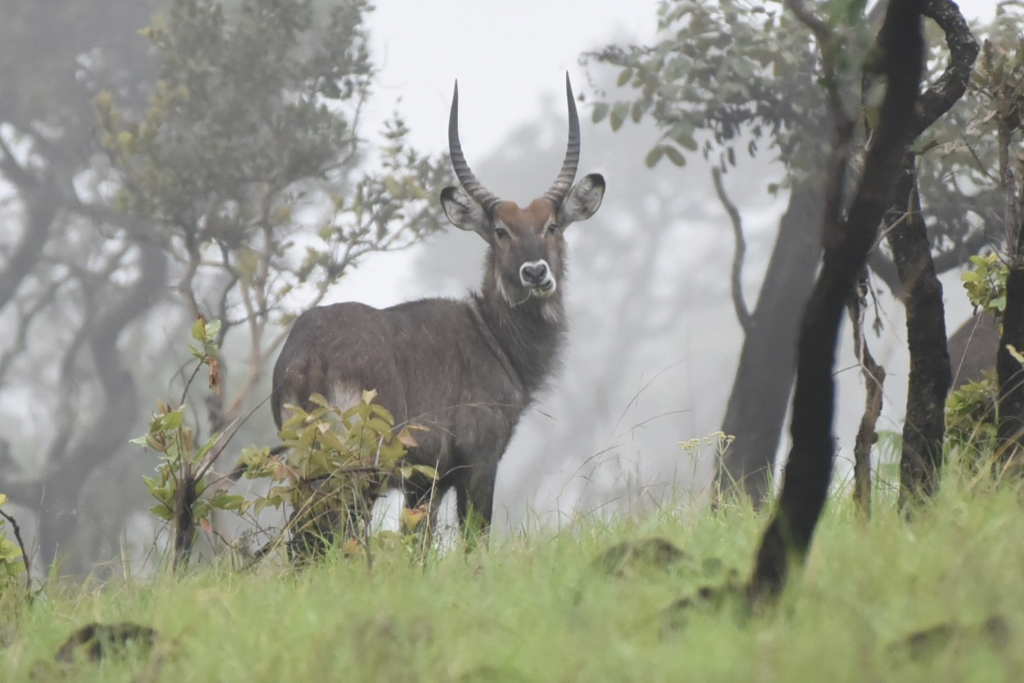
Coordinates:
847 242
874 380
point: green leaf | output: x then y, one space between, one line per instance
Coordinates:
619 113
379 426
675 156
600 112
205 448
226 501
161 511
636 112
426 470
685 140
172 420
624 76
382 412
654 156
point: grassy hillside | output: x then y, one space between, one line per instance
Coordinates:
536 609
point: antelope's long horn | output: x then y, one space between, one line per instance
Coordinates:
560 188
478 192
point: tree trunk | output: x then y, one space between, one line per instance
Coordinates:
760 392
925 425
1009 369
61 488
809 469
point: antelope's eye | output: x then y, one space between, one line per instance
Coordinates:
553 229
501 233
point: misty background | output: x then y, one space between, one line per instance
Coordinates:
654 340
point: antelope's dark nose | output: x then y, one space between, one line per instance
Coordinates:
533 274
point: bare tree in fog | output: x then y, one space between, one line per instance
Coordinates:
233 191
75 276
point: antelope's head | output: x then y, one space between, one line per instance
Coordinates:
527 245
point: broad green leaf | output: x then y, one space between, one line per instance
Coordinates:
382 412
205 448
172 420
654 156
619 113
675 156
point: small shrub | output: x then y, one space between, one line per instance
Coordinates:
331 466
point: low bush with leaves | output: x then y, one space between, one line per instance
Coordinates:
182 476
332 466
970 420
971 410
329 468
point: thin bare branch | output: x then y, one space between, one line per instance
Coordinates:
874 380
738 302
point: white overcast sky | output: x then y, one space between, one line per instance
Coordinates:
508 56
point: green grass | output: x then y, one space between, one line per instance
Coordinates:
534 609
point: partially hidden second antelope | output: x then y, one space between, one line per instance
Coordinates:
464 369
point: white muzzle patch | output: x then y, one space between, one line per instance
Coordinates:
536 276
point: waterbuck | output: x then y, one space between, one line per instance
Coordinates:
465 369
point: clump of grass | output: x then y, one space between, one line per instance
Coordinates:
535 608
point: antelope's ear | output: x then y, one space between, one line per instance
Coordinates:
463 212
583 200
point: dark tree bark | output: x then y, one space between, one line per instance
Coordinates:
925 425
1009 369
72 459
764 378
809 469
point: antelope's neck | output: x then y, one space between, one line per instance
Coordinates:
529 335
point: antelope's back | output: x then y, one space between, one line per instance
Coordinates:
424 358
